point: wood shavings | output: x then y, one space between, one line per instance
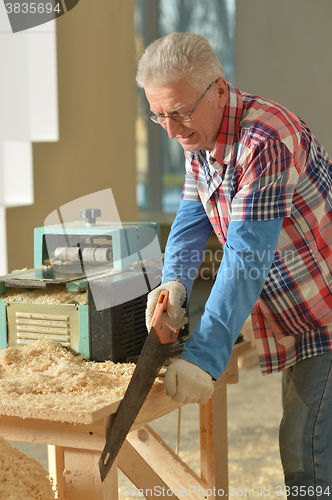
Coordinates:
45 375
21 477
53 294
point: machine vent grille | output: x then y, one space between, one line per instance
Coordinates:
132 327
33 326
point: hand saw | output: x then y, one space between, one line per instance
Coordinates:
155 351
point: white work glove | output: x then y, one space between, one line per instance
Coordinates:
174 317
187 383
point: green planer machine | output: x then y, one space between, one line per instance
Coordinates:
87 290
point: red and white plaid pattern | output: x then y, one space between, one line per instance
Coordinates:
266 165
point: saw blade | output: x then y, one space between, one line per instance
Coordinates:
152 358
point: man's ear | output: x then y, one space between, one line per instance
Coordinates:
222 89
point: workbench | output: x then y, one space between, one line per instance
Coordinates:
76 440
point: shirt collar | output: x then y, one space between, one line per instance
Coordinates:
229 126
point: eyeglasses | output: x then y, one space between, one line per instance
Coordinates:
186 117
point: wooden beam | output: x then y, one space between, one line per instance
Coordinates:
29 430
56 468
139 472
179 477
82 477
76 475
214 443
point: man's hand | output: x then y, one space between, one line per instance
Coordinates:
174 317
187 383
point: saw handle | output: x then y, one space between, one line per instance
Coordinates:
163 333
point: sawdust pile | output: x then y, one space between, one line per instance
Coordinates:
53 294
46 375
21 477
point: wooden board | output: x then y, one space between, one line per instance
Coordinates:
157 392
74 416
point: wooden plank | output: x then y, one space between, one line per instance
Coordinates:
230 375
75 416
56 468
241 348
172 470
89 417
89 437
206 442
92 436
220 438
55 415
214 447
82 478
139 472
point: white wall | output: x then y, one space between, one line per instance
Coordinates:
284 53
29 112
96 104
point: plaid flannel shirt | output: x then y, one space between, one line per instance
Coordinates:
266 164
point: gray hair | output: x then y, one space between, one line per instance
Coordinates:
177 56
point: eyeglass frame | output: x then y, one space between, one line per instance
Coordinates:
189 115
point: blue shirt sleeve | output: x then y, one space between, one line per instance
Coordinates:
186 244
248 256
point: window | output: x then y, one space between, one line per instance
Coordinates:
160 161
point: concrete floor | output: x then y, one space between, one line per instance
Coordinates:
254 412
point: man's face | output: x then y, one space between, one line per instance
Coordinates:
179 98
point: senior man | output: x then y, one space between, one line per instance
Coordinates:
258 178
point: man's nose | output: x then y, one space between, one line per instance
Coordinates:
172 127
